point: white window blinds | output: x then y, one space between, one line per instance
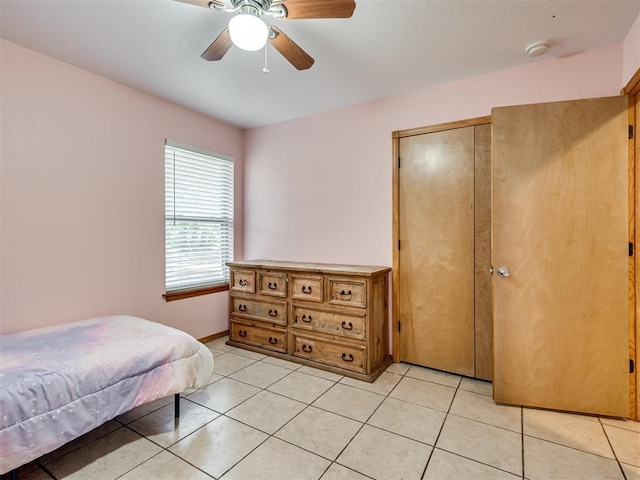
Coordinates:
198 217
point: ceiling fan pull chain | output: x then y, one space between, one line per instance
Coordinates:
265 69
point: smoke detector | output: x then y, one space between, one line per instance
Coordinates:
537 49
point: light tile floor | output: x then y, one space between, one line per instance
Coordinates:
263 418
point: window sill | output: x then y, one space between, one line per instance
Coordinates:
196 292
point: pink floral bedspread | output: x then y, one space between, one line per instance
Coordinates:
58 383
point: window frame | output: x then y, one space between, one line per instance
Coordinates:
188 292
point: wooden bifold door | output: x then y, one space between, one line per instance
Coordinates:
443 212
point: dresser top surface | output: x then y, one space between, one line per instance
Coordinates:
315 267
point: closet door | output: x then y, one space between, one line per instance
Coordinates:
436 256
560 251
483 328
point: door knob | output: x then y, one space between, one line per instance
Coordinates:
503 271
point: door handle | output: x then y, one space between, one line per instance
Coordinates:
504 272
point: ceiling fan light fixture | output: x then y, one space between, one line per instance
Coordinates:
248 32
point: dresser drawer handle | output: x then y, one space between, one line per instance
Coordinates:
307 348
344 325
243 282
272 286
345 293
242 333
347 358
242 308
273 341
305 319
273 313
306 289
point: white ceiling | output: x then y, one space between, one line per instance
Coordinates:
386 48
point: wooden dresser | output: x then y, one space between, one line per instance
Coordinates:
333 317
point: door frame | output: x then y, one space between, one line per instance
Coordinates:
633 90
396 136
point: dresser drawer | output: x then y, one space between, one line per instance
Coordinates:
243 281
271 339
348 292
352 326
324 351
307 287
272 312
272 284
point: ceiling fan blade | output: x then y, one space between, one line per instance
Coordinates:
202 3
219 47
318 8
290 50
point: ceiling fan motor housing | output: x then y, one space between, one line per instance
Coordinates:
250 10
256 8
261 6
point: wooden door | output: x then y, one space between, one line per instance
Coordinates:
436 256
483 328
560 225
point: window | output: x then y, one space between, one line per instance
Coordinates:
198 219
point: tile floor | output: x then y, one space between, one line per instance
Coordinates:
265 418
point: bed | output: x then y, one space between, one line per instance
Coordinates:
58 383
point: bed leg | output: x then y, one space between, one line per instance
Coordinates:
13 475
177 405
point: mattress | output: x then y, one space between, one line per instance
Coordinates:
58 383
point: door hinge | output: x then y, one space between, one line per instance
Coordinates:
398 326
630 135
631 249
398 162
632 366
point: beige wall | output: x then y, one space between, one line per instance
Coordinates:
318 189
81 181
631 52
82 197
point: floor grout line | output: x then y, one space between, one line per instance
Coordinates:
522 438
142 463
202 426
493 467
615 455
272 435
245 456
387 395
362 426
435 443
457 415
362 423
572 447
188 462
269 435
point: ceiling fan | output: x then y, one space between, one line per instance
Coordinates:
248 31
